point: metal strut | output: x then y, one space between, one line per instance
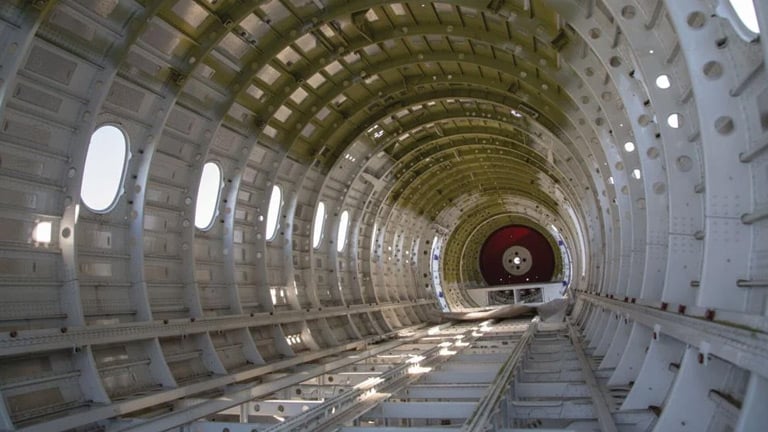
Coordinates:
481 417
604 417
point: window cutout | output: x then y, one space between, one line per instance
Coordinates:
275 201
662 82
104 168
745 9
629 146
42 232
207 196
341 237
317 228
434 266
674 121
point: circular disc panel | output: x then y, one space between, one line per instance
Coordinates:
517 260
516 254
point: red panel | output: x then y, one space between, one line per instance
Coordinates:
491 262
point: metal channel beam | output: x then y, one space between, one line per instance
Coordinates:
236 397
481 358
422 410
554 375
349 415
177 418
282 408
356 402
485 408
445 391
462 367
742 346
553 284
28 342
551 390
545 366
599 402
459 377
554 410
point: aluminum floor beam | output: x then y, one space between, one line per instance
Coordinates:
600 404
237 396
485 408
445 391
422 410
370 399
553 284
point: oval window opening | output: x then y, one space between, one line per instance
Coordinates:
341 238
274 210
317 228
207 196
104 168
